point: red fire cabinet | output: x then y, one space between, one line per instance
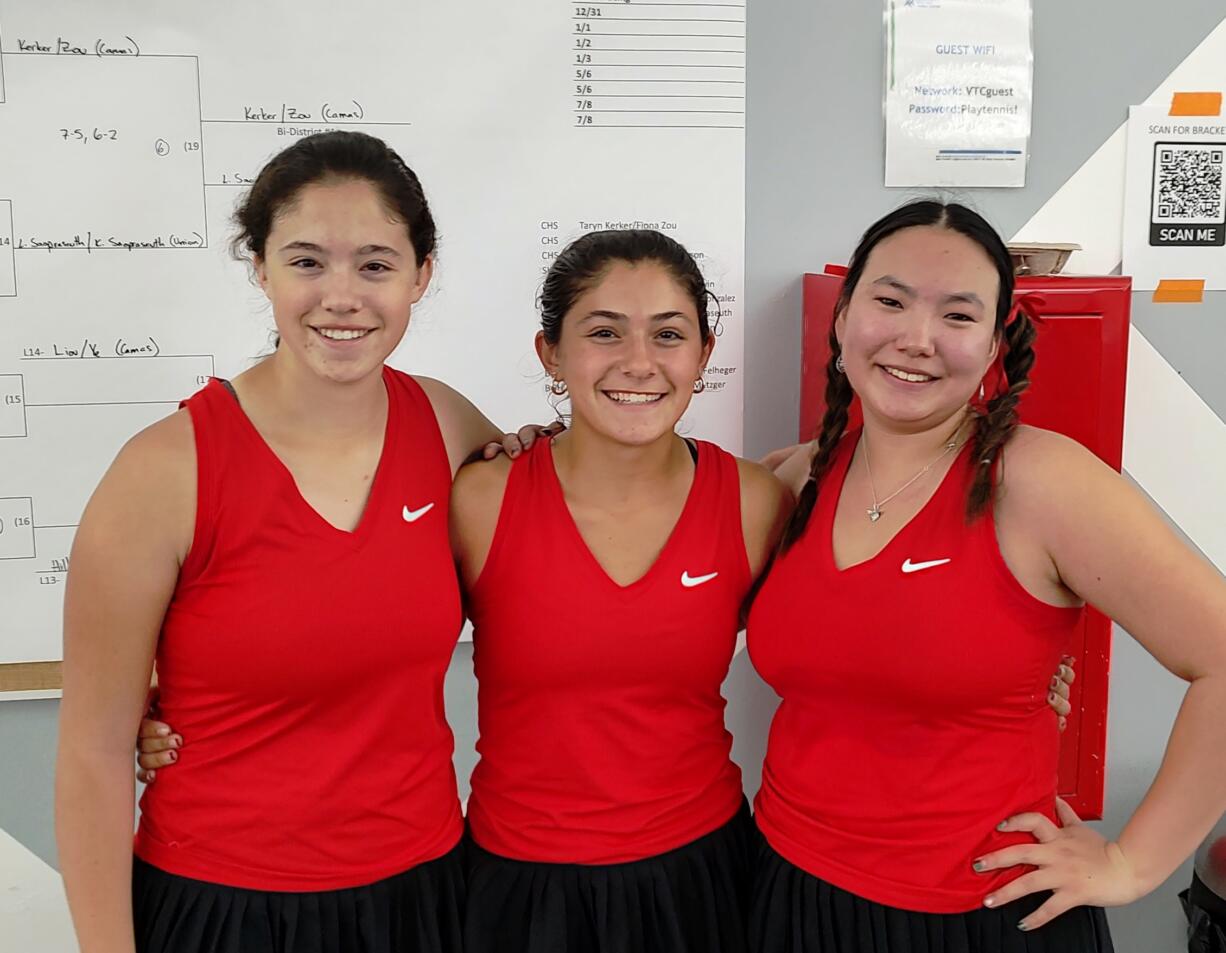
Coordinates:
1077 388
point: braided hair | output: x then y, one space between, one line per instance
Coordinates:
995 424
998 420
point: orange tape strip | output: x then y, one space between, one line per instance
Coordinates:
1184 292
1196 104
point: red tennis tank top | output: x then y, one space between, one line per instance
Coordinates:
914 715
304 667
602 735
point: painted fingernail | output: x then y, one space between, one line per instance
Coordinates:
1002 825
978 866
1022 925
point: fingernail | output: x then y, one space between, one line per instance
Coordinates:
176 741
989 901
149 776
1021 925
978 866
173 755
1002 825
1051 696
1055 682
163 731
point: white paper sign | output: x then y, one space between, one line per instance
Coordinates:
1174 205
957 92
129 129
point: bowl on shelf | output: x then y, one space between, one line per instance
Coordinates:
1038 258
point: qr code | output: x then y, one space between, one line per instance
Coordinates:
1188 183
1189 208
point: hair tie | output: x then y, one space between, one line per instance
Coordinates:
1030 304
995 382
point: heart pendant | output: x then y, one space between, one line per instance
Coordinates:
874 514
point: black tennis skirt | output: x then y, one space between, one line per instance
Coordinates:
689 900
792 911
418 911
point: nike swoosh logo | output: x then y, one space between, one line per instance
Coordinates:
412 516
691 581
909 566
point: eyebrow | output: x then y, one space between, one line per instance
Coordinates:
618 316
967 296
360 253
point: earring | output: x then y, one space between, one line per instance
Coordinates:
557 387
699 386
978 403
839 365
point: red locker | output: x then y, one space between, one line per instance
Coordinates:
1077 388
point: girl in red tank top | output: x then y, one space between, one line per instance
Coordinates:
900 809
282 545
606 812
605 572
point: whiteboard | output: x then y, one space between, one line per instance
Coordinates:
130 128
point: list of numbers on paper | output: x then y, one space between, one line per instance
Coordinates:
645 64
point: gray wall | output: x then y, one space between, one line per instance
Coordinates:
814 169
813 182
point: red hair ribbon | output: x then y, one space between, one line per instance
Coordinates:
1029 303
995 381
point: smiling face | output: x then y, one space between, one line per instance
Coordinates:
342 277
918 333
629 351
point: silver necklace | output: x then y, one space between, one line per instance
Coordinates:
874 512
